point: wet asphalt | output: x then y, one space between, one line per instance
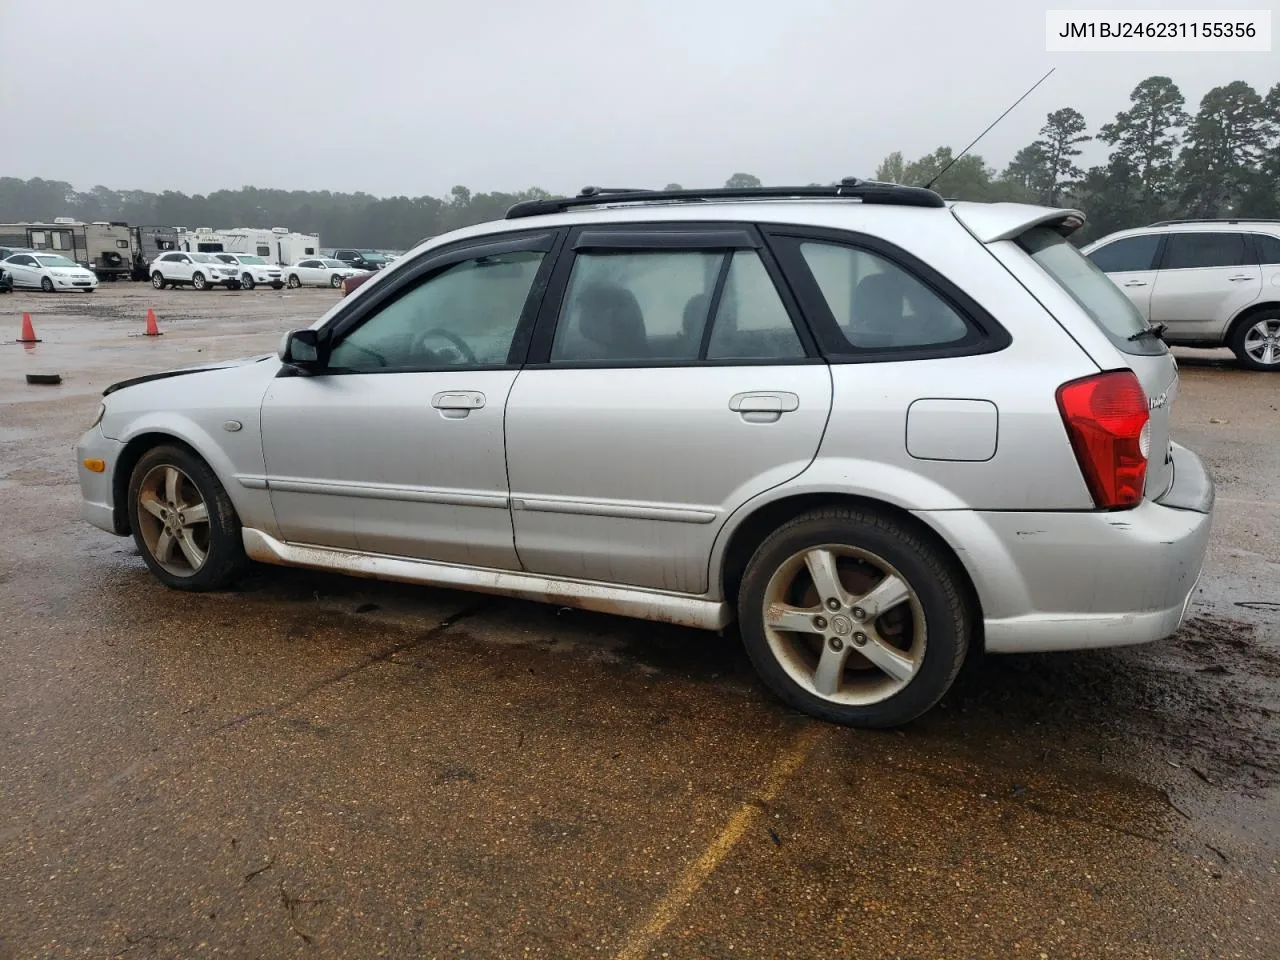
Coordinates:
315 766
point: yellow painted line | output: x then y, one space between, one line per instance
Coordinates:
695 875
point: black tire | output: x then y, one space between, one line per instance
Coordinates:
335 281
937 585
1237 341
225 557
46 285
246 281
158 281
277 285
198 281
294 282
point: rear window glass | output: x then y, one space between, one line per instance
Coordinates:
1092 289
1268 248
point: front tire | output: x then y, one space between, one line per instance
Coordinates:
183 521
853 617
46 285
1256 341
199 282
246 282
157 280
294 282
335 281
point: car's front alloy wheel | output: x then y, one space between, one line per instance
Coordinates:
157 280
183 521
198 281
46 285
246 281
854 617
335 281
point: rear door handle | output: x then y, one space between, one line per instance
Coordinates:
456 404
764 406
1235 279
1135 283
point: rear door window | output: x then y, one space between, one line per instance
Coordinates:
1189 251
1092 289
1128 254
1268 248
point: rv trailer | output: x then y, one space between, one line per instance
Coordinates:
148 243
105 247
278 245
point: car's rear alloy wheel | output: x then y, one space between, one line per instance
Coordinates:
246 282
183 521
157 280
294 282
335 281
853 617
198 281
1256 342
46 285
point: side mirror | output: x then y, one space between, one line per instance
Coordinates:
300 349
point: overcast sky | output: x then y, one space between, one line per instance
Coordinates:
403 97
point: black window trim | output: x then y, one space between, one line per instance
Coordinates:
724 236
985 335
430 262
1250 250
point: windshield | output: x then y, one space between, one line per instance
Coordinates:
334 263
1092 289
255 261
204 258
53 260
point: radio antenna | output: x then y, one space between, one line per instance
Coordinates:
937 175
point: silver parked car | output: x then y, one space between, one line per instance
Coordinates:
878 430
1206 283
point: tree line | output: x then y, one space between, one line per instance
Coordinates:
1162 163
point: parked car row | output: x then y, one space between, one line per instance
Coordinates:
238 271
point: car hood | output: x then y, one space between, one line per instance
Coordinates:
180 371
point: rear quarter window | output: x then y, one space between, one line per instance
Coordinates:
1092 289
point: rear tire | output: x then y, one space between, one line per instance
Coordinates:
277 285
1256 341
875 638
181 550
294 282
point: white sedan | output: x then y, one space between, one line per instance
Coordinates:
48 272
318 272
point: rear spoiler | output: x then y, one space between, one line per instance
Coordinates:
990 222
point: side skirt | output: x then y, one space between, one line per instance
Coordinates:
683 609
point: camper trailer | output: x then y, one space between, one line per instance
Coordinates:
277 245
104 247
149 243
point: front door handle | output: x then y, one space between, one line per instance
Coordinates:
1236 279
764 406
1135 283
456 404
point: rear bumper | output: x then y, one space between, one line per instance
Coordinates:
1070 581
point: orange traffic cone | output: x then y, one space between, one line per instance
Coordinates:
152 329
28 331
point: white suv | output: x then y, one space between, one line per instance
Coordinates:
201 270
1208 283
254 270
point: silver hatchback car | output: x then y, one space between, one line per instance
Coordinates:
879 430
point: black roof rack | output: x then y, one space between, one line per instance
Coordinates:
1170 223
868 191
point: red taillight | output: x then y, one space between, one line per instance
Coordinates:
1107 419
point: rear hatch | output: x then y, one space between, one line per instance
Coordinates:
1032 243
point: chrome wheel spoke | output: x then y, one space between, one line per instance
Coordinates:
171 478
826 678
888 658
781 616
826 578
886 595
190 549
1269 354
196 513
164 547
153 506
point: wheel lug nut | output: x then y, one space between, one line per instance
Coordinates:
859 613
836 644
860 639
833 604
820 622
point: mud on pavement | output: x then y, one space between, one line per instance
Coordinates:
319 766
